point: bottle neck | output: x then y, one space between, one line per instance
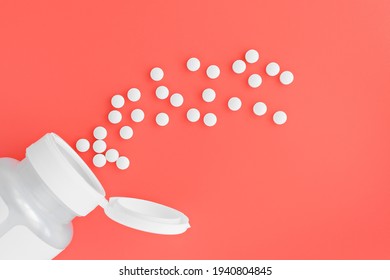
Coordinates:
41 197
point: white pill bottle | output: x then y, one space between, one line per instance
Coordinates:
43 193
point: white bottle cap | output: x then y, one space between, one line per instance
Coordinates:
146 215
75 185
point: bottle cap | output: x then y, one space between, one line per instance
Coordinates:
146 215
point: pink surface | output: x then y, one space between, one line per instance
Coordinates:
317 187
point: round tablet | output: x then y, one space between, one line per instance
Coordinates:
134 94
162 119
234 103
208 95
239 66
162 92
137 115
82 145
112 155
272 69
286 77
193 64
99 160
115 116
255 80
210 119
100 133
280 117
176 100
126 132
156 74
117 101
252 56
193 115
259 108
213 71
99 146
123 163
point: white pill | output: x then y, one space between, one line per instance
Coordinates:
162 119
286 77
239 66
82 145
123 163
259 108
99 146
99 160
210 119
234 103
193 64
255 80
100 132
156 74
115 116
272 69
162 92
126 132
252 56
208 95
176 99
112 155
280 117
137 115
213 71
193 115
117 101
134 94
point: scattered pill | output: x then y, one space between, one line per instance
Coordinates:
286 77
99 160
115 116
255 80
157 74
137 115
176 99
210 119
280 117
208 95
239 66
134 94
100 133
112 155
82 145
162 119
99 146
123 163
117 101
193 115
193 64
126 132
213 71
162 92
234 103
259 108
252 56
272 69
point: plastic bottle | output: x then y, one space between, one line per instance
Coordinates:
43 193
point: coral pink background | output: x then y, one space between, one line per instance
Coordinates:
317 187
